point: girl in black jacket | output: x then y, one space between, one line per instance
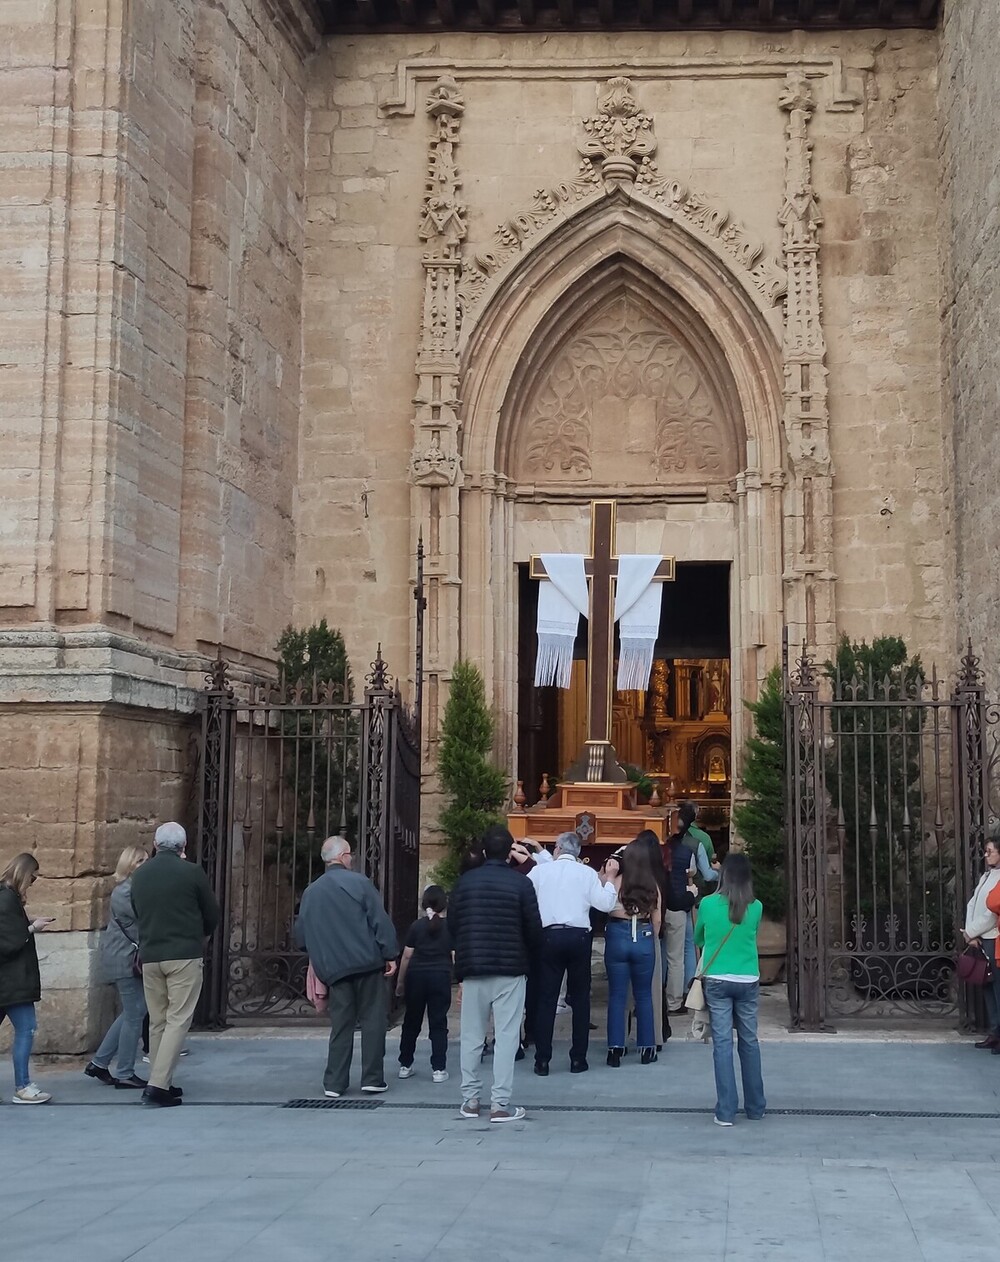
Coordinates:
20 982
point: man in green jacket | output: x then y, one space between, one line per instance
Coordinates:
176 912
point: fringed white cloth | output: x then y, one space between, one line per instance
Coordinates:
561 601
637 612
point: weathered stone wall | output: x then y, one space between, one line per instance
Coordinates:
721 133
970 115
151 237
151 211
77 785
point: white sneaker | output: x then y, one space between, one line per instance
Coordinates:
31 1095
332 1095
406 1071
719 1122
185 1051
439 1075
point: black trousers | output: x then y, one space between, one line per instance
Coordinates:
426 990
564 952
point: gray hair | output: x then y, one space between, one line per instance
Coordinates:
334 848
170 837
569 843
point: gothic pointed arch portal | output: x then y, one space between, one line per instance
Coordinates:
621 357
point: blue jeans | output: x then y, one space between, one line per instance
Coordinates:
630 962
122 1039
734 1004
690 964
22 1018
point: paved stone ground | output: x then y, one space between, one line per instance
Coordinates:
609 1165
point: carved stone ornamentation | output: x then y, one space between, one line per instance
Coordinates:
435 460
624 392
617 155
620 137
806 416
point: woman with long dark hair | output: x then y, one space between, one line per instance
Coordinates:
20 980
649 841
727 935
630 951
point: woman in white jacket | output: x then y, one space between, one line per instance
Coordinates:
981 930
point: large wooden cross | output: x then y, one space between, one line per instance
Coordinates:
601 568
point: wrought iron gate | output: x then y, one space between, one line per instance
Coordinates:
282 768
892 788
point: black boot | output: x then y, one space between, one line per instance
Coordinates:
648 1056
615 1055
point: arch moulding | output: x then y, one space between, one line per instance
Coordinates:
618 224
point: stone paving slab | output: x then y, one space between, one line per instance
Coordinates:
594 1174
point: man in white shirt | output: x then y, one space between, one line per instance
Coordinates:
566 890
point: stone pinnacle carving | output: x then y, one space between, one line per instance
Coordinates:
619 137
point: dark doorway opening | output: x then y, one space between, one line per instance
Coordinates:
677 732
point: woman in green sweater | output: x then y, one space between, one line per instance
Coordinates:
727 935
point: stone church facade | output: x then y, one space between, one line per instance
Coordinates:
286 290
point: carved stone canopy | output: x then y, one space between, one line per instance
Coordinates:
624 398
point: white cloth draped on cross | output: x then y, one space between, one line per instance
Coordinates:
564 598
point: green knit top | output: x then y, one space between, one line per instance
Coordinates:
738 958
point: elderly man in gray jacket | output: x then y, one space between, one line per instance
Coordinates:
352 947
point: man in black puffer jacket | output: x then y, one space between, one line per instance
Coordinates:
494 923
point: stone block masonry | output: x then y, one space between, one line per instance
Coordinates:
970 110
151 240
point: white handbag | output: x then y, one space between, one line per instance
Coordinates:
696 994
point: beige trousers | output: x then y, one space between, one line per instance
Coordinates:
676 927
172 989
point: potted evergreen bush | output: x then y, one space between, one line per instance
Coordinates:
475 790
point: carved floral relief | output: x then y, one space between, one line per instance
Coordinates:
624 398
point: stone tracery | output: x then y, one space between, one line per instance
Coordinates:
626 369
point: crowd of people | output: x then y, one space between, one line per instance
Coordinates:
516 933
518 929
162 912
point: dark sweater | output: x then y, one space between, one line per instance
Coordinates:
175 909
494 922
20 981
343 926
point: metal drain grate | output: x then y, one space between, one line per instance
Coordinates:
367 1105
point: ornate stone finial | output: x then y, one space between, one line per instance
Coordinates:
797 94
445 97
519 796
654 797
620 136
544 788
442 224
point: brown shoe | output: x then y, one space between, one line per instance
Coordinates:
990 1041
470 1108
507 1115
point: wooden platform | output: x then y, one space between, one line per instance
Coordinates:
605 815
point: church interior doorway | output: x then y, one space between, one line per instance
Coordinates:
676 735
